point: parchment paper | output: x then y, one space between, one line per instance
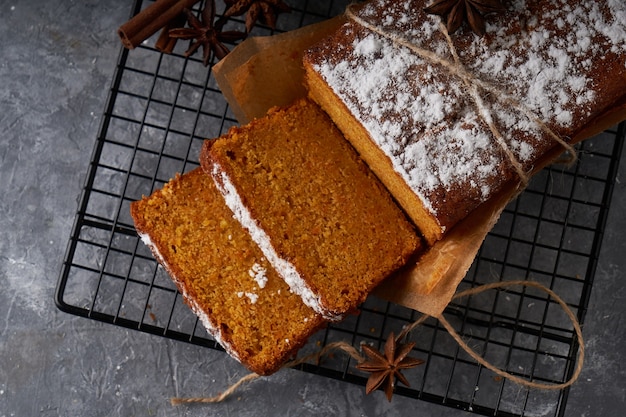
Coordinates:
263 72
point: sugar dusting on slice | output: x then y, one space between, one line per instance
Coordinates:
253 297
259 274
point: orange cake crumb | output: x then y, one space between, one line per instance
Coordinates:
222 274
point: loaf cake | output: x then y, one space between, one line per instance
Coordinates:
445 136
319 215
222 274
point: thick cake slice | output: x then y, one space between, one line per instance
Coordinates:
444 136
319 215
222 274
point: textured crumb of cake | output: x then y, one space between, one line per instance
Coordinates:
221 273
319 206
554 58
285 269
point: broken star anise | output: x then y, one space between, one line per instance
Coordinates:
385 368
456 11
265 10
206 34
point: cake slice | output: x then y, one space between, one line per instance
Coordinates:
319 215
222 274
543 73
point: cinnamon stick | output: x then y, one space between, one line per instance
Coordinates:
165 43
150 20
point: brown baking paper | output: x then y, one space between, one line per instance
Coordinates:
263 72
267 71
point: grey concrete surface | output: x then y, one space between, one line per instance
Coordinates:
56 62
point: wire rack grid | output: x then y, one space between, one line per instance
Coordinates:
160 109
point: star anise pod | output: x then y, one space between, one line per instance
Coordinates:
385 368
456 11
265 10
206 34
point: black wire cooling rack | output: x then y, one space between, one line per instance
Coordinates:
160 109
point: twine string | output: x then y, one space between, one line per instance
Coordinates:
354 353
473 85
521 381
220 397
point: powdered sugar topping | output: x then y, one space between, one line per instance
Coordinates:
253 297
422 117
259 274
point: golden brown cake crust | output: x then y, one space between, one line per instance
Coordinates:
221 273
321 207
563 62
